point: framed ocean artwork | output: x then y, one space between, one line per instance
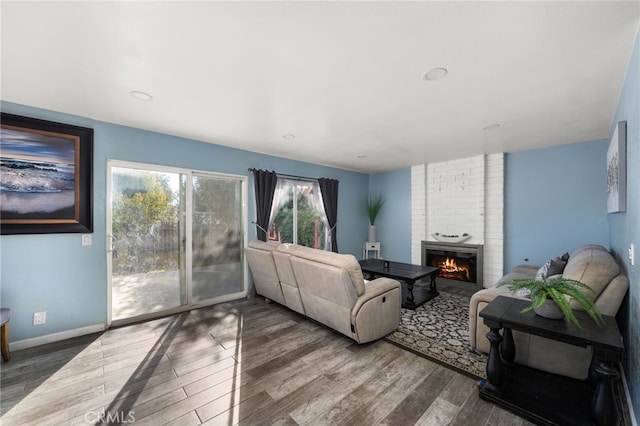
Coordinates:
46 176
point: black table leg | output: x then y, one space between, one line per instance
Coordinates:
410 303
507 347
495 373
604 408
432 285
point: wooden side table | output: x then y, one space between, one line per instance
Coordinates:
5 317
371 247
545 398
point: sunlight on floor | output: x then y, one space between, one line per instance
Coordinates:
126 372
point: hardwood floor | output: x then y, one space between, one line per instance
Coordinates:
245 362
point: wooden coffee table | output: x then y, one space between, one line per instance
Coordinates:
406 273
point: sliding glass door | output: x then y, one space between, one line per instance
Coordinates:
175 239
217 237
145 242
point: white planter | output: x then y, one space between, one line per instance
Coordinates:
372 233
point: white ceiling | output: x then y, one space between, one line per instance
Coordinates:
344 77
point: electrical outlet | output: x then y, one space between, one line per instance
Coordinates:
39 318
632 254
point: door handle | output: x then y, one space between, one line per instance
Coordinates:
110 241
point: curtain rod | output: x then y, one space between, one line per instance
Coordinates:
310 179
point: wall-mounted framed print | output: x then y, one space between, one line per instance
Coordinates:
617 170
46 176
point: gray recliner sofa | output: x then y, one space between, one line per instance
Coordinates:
327 287
590 264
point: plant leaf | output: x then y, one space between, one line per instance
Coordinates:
559 290
374 204
562 302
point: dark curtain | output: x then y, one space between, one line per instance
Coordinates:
265 187
329 191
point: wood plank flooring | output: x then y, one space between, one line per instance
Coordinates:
245 362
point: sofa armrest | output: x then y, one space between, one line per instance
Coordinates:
611 297
379 286
373 289
377 312
486 295
477 329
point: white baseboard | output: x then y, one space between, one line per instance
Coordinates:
55 337
628 396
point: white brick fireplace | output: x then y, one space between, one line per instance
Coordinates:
461 196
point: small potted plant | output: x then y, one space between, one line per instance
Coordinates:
552 294
374 204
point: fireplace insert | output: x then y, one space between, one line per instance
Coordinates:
460 264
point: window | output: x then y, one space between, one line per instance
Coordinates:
297 214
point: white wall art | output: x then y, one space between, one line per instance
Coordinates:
617 170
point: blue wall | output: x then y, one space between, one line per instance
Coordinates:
393 225
564 206
624 228
56 274
555 201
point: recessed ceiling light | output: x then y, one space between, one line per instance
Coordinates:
435 74
289 136
143 96
491 127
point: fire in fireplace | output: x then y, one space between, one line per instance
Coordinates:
460 264
449 268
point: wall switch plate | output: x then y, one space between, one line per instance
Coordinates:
39 318
632 254
86 239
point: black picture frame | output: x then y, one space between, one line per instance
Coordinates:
47 176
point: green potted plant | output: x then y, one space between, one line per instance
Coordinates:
551 294
374 204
